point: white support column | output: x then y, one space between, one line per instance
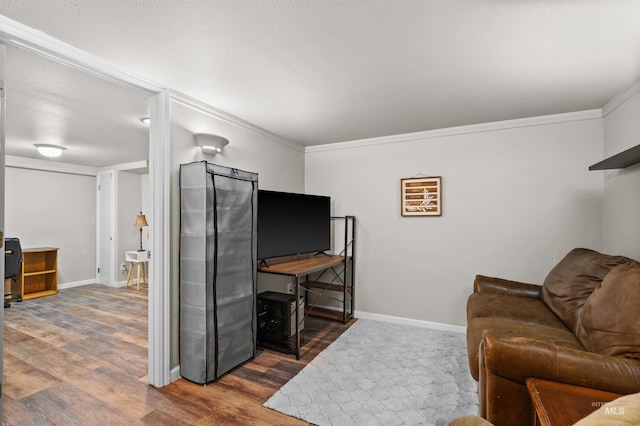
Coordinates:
159 265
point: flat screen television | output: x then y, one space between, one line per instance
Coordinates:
290 223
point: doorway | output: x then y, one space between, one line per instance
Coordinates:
39 43
105 243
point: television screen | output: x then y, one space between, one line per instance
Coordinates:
291 223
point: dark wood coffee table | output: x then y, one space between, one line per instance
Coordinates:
560 404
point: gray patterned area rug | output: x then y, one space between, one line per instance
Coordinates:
382 373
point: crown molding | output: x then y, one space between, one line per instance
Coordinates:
20 35
620 99
49 166
593 114
72 169
205 108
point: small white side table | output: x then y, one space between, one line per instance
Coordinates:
139 258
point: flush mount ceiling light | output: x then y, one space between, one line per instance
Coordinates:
50 151
146 120
210 144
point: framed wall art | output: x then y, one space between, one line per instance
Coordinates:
421 196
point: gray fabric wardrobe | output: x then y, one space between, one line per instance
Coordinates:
218 271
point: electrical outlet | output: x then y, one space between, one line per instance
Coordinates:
123 268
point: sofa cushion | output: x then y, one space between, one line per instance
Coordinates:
499 305
506 328
573 279
609 323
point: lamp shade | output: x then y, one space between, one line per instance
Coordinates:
210 144
141 220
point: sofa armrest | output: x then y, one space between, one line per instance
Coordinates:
512 288
516 358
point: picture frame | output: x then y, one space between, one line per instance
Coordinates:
421 196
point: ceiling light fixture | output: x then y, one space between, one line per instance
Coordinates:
50 151
210 144
146 120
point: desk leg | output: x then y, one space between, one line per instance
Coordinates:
296 283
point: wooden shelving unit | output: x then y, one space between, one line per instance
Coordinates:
336 282
39 272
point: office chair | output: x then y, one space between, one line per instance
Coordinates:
12 260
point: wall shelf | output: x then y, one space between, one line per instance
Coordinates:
619 161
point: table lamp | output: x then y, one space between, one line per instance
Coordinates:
141 221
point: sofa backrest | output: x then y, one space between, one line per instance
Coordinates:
573 279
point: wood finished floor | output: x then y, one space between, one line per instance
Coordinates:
80 358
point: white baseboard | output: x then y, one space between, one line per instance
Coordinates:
401 320
86 282
414 322
92 281
75 284
174 374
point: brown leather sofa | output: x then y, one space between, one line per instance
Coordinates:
581 327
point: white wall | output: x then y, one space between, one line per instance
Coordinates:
517 197
280 166
621 188
146 204
55 210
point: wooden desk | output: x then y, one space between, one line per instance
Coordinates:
560 404
302 267
296 269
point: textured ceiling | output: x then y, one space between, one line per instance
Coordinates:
327 71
